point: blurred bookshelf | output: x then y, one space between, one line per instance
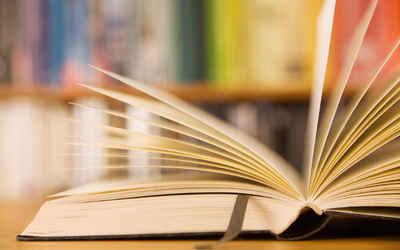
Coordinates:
247 62
212 45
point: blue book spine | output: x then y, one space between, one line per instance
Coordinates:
43 70
77 43
56 36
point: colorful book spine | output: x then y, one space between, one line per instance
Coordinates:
210 40
43 68
389 13
116 34
25 56
224 41
9 38
56 37
150 38
77 44
381 37
347 15
279 40
188 40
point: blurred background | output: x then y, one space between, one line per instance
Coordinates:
248 62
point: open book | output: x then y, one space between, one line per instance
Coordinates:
351 164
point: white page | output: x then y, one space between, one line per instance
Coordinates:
179 128
163 145
335 139
140 138
339 85
324 31
242 141
381 160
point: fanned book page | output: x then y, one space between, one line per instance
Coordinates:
352 165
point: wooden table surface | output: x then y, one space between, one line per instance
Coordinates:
338 235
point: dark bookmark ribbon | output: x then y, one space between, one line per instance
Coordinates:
235 224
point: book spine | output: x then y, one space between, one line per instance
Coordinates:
189 45
44 56
115 35
229 48
220 21
26 54
209 40
9 38
382 34
151 42
36 39
97 35
77 44
225 42
391 26
56 28
278 43
347 16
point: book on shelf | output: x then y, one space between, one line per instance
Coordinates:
351 164
8 19
285 58
378 40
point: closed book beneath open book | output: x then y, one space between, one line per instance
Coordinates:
351 163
